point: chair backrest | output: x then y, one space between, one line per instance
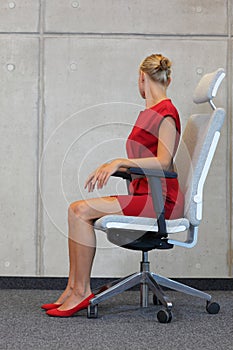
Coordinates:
197 147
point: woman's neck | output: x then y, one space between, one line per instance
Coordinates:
154 93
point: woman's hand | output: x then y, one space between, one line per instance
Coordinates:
101 175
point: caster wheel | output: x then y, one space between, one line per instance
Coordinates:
92 311
156 301
212 308
164 316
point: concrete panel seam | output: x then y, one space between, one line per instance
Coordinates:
40 139
19 33
143 35
115 35
230 143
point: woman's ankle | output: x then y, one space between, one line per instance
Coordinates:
67 292
82 292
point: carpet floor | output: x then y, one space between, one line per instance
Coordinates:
121 324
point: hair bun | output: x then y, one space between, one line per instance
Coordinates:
164 63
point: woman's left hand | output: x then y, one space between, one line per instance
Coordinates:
101 175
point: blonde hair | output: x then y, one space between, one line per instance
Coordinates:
158 67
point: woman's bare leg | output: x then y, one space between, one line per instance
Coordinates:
81 232
67 292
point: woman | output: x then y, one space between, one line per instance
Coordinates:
152 144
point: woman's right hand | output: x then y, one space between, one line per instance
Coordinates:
101 175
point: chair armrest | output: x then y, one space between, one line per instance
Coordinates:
123 174
153 173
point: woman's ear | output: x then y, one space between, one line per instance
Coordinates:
142 76
141 85
169 81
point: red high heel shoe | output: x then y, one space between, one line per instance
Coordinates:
50 306
67 313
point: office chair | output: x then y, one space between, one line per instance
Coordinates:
193 160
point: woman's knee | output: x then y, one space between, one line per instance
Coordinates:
79 209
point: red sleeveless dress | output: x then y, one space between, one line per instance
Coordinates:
142 143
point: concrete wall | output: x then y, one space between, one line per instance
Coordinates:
68 100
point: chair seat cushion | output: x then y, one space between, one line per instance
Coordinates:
136 223
138 233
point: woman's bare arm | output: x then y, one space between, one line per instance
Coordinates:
166 143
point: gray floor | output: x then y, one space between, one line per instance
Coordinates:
122 324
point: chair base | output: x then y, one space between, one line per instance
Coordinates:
147 281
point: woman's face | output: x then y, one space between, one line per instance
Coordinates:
141 84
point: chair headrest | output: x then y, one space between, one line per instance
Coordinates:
208 86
